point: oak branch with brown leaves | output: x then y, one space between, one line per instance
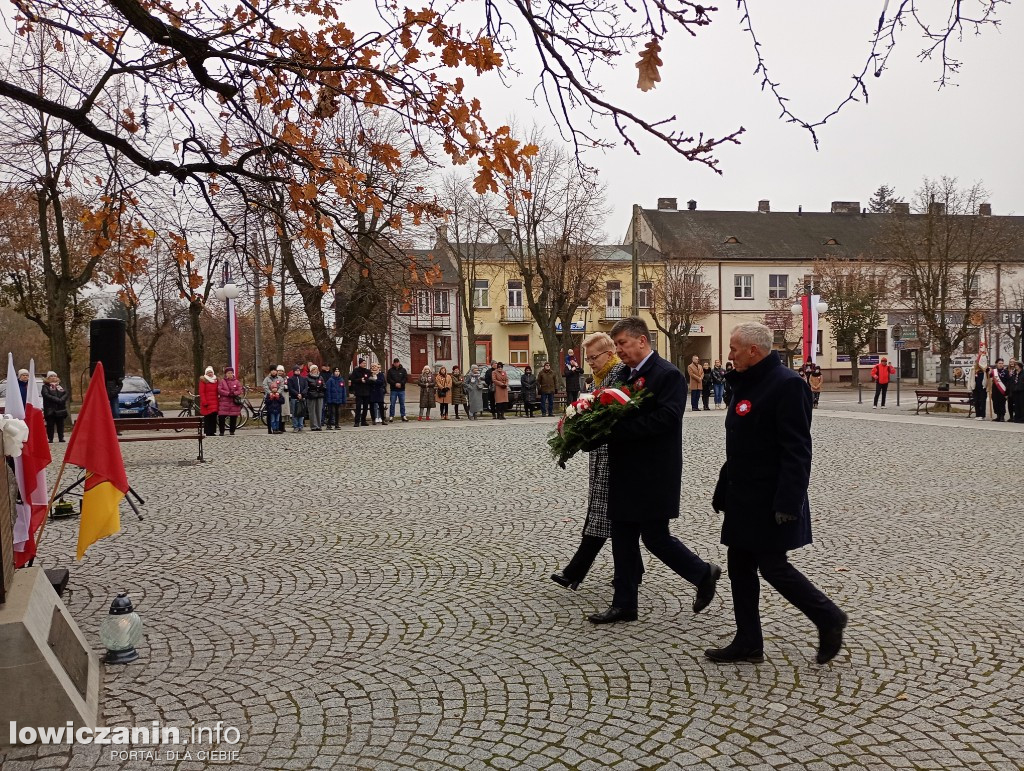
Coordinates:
184 90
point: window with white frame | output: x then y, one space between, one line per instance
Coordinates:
778 286
480 298
423 303
879 341
645 294
440 302
743 286
519 349
515 294
974 286
613 294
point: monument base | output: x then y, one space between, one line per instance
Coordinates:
51 676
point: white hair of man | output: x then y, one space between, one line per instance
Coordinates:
752 333
600 340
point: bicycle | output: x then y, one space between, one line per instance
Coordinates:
249 412
189 407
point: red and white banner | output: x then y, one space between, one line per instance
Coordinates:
233 338
809 318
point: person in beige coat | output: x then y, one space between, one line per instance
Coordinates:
695 372
443 389
500 380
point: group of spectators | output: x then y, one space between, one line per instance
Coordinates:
312 394
1004 383
707 379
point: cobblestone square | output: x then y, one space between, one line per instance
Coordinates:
378 598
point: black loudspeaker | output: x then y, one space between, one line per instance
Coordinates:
106 344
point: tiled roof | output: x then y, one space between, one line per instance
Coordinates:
746 235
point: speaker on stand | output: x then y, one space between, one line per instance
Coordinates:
107 345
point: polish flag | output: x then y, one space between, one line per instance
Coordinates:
35 459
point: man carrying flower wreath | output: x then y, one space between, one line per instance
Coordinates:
645 469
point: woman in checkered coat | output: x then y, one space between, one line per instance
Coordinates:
600 355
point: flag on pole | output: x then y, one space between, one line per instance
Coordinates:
35 458
94 447
15 407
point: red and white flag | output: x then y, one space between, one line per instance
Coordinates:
35 457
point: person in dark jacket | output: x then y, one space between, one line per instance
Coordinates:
55 406
762 491
316 392
528 390
979 392
397 378
727 390
999 377
547 384
337 395
645 470
705 386
1017 374
1010 380
489 391
359 384
297 386
718 384
378 387
572 373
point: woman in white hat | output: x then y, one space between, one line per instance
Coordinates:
55 406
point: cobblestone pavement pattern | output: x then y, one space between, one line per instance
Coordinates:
378 599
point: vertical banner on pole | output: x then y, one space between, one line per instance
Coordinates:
812 313
232 337
805 320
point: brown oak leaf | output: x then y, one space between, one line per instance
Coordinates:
648 65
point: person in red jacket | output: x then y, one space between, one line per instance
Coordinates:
881 374
208 401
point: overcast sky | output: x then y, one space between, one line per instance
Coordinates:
910 129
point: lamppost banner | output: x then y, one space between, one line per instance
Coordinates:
810 324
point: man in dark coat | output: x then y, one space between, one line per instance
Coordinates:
397 378
648 446
359 385
298 386
762 490
489 391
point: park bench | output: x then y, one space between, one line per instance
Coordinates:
926 397
187 428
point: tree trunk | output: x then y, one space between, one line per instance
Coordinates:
195 312
854 371
945 359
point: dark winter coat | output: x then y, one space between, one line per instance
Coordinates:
547 383
529 388
767 459
458 390
55 401
297 386
336 391
316 386
572 378
359 381
274 402
378 387
397 378
645 451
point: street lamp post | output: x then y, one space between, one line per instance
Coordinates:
228 291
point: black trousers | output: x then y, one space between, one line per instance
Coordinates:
883 389
980 400
1018 407
54 423
581 562
210 424
785 579
334 415
999 405
362 407
626 537
231 420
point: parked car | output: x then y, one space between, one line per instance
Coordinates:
137 399
3 392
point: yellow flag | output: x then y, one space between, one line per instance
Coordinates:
100 515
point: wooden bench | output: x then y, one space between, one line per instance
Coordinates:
190 428
926 397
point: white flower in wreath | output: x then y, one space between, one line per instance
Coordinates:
570 411
587 397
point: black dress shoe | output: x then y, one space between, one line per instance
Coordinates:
830 640
733 653
706 588
561 580
612 615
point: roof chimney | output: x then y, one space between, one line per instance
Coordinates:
764 206
985 210
667 204
937 208
900 207
691 205
846 207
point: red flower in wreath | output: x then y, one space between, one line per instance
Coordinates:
743 408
